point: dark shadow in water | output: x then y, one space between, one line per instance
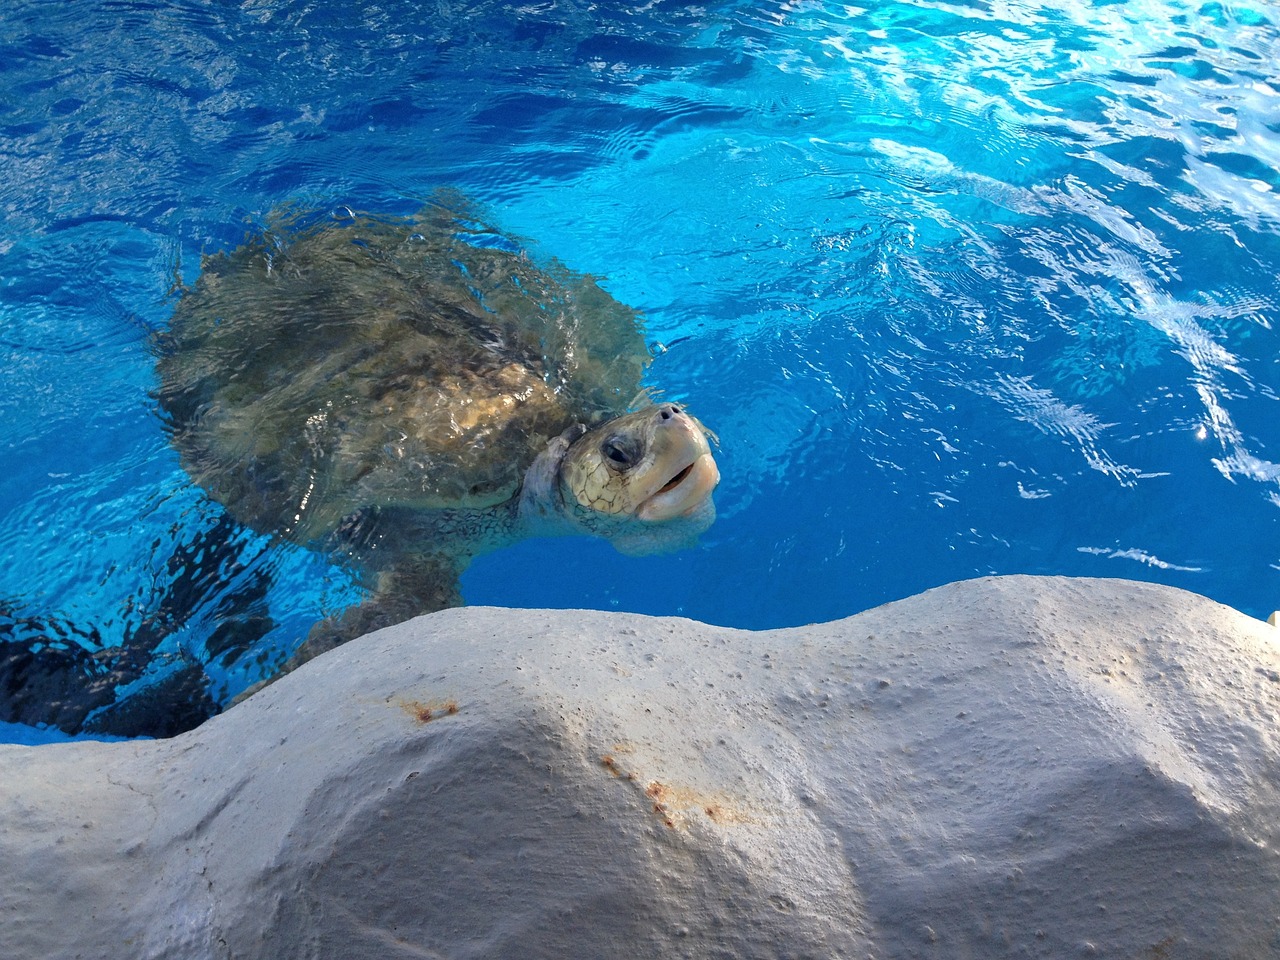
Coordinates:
59 674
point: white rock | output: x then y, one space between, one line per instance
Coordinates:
1033 767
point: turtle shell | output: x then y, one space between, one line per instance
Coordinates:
331 365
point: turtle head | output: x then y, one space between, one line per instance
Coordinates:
642 480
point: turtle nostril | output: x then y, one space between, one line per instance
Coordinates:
668 410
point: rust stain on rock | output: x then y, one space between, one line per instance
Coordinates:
680 804
424 711
658 793
676 805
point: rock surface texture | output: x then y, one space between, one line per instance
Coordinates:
1009 767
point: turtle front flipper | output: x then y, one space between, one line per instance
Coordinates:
417 584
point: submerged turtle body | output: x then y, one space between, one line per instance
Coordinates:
327 368
409 393
401 393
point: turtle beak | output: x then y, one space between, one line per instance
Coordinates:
684 493
689 471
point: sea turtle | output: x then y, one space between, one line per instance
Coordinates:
407 393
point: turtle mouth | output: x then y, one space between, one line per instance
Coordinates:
677 479
684 493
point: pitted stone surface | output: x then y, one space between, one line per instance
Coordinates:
1029 767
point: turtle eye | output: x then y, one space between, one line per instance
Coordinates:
615 453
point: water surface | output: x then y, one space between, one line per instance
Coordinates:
964 288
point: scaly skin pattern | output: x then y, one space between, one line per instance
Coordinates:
622 465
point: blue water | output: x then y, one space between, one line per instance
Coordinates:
963 288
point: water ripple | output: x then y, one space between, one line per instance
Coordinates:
963 287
